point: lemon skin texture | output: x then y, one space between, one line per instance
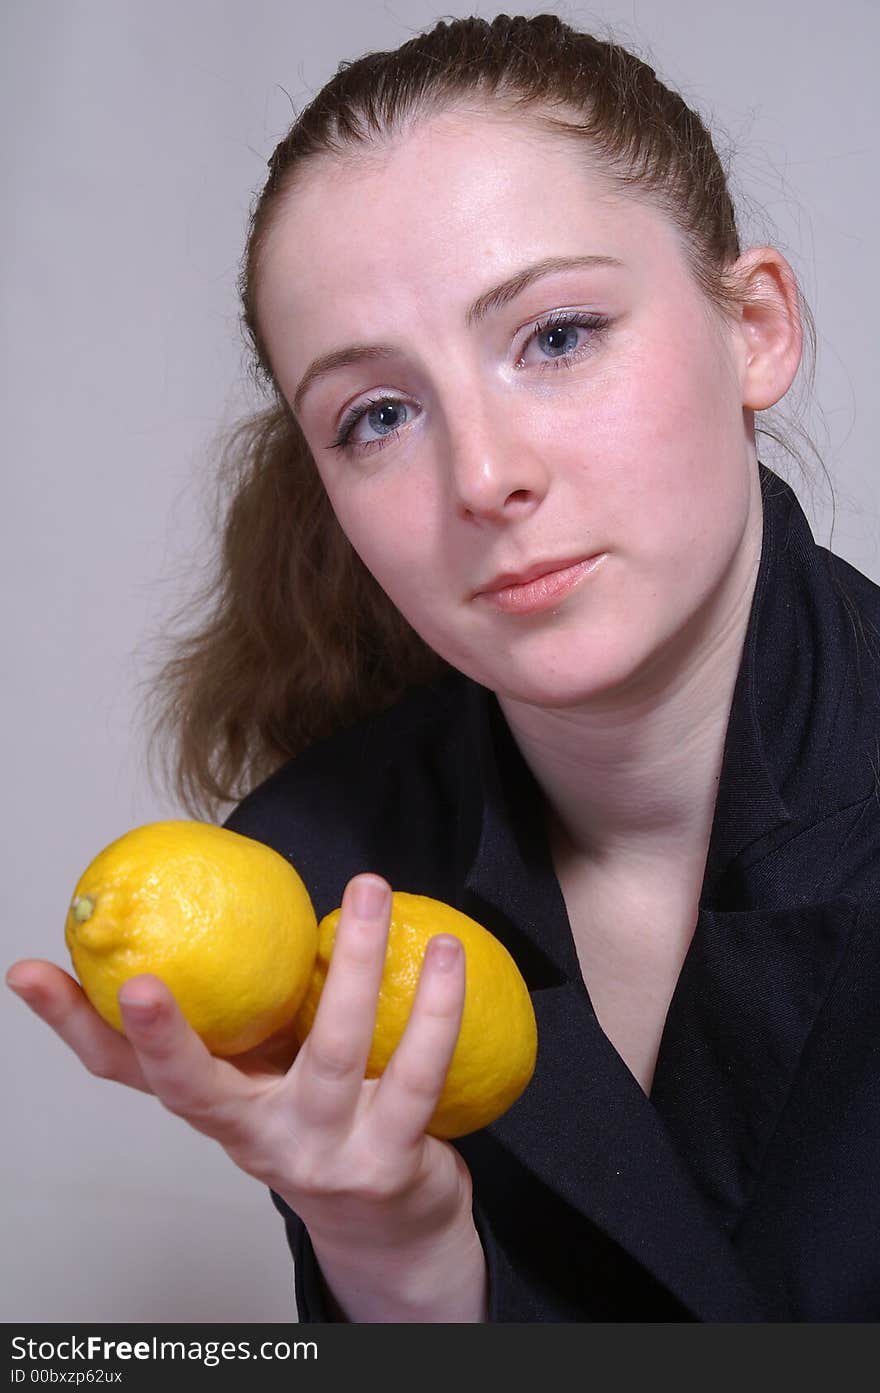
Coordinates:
495 1054
223 920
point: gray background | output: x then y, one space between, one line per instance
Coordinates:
134 135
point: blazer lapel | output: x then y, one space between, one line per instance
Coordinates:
747 1000
584 1126
585 1129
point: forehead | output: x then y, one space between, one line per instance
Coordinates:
442 209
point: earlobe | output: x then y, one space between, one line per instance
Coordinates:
770 326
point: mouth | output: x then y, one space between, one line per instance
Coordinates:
506 579
539 587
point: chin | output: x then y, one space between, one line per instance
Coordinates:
561 689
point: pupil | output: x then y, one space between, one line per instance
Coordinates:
564 331
380 421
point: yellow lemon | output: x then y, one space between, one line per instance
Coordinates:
495 1054
223 920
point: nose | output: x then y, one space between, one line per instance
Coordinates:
496 470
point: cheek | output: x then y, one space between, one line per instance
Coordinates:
400 537
391 533
666 442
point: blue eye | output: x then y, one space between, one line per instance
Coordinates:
384 412
378 410
561 327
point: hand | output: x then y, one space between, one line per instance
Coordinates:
349 1155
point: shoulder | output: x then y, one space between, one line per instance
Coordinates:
856 590
850 835
850 779
378 796
400 737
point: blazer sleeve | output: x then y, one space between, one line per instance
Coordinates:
312 1307
510 1294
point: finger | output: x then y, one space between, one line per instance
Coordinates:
410 1086
60 1001
328 1073
186 1078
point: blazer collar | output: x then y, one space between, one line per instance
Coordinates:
793 713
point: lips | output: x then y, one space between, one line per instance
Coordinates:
545 591
505 579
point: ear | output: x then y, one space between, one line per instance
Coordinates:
770 337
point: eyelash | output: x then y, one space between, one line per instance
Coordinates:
598 323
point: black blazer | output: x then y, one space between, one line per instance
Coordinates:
747 1186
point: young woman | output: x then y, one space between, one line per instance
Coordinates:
512 614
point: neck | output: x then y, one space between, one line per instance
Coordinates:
632 778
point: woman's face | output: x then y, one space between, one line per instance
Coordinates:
467 442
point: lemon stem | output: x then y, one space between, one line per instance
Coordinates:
83 907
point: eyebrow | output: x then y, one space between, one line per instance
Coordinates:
493 299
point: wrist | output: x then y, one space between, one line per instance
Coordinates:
440 1278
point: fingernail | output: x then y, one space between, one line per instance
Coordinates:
369 898
445 951
138 1010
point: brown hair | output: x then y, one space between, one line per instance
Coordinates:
299 640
